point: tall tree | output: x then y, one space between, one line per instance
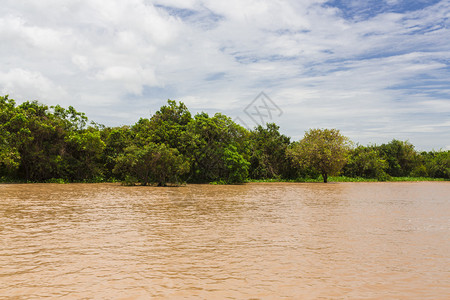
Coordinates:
166 126
116 139
152 163
217 147
438 164
401 157
9 154
84 149
324 150
366 162
268 152
41 141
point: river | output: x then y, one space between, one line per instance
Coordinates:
252 241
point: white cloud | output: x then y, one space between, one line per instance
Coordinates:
81 62
115 59
29 85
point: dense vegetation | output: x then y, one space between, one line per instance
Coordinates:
53 144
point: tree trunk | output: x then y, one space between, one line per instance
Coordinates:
325 178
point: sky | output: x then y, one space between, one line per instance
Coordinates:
376 70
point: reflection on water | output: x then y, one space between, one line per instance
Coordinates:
254 241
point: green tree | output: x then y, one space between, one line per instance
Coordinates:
84 149
116 140
40 141
323 150
9 154
401 157
152 163
217 147
236 165
366 162
71 120
166 126
268 152
438 164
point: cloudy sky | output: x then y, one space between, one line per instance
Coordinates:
376 69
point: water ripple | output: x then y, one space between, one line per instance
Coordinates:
254 241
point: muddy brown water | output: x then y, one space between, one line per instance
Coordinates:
253 241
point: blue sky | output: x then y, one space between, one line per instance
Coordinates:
376 70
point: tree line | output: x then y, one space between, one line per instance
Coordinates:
39 143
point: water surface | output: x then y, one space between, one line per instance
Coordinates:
253 241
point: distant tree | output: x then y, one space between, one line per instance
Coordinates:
152 163
236 165
401 157
217 148
323 150
366 162
72 120
40 143
83 156
39 139
268 152
438 164
116 139
9 154
166 126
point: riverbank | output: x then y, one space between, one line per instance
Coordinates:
351 179
299 180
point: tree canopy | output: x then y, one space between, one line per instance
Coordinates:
39 143
323 150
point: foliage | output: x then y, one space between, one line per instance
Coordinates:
366 162
85 149
39 143
116 140
56 180
39 140
152 163
401 157
236 165
9 154
268 153
54 144
438 164
217 148
166 126
324 150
